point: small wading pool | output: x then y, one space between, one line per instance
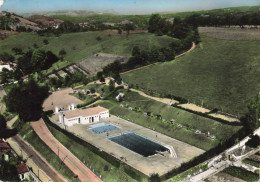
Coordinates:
138 144
102 128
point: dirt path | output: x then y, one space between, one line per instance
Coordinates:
43 170
73 163
192 48
163 100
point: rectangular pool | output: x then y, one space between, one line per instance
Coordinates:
138 144
103 128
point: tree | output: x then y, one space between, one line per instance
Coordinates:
45 41
251 120
111 85
17 51
155 178
153 25
5 75
62 53
38 59
6 57
26 99
128 27
254 141
136 51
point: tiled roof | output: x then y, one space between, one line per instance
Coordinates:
4 147
21 168
84 112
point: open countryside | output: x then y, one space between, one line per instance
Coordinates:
129 96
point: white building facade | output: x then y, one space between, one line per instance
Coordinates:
84 116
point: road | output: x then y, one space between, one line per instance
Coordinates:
38 160
73 163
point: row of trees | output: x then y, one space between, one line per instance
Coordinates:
225 19
69 27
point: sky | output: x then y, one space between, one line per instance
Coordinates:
120 6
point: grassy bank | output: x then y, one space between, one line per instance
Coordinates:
163 127
190 120
31 137
219 74
83 44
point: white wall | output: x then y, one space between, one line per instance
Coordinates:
87 119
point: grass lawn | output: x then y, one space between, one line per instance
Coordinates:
111 174
83 44
242 174
166 128
30 136
220 130
220 74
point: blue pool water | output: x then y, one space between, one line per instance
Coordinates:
138 144
103 128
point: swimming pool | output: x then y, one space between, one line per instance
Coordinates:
102 128
138 144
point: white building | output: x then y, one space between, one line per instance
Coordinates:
84 116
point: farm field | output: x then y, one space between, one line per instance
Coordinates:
223 74
81 45
232 33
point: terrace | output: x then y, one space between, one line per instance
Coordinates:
154 157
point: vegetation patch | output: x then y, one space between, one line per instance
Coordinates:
191 171
241 173
229 70
30 136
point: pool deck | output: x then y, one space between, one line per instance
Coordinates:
159 163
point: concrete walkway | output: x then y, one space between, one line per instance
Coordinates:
73 163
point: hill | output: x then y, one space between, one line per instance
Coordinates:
223 74
45 20
83 44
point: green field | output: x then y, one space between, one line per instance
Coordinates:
219 74
83 44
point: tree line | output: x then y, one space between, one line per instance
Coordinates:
29 62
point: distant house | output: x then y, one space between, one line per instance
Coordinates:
83 116
22 171
4 149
